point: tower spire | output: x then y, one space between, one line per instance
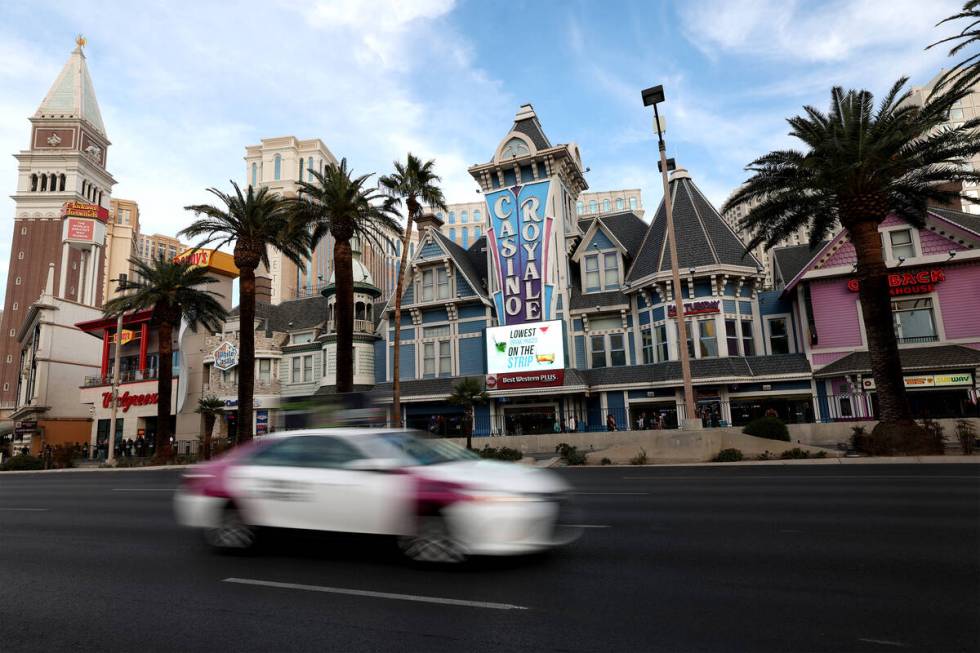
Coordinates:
73 95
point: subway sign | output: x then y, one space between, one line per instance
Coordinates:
919 381
913 282
520 240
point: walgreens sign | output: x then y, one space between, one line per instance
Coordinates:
913 282
126 400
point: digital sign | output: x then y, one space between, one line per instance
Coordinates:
526 355
80 229
520 235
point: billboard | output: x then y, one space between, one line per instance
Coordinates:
84 210
520 235
526 355
80 230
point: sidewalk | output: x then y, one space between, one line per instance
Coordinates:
882 460
85 470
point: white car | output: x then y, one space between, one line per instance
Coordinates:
443 502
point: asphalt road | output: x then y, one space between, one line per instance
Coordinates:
821 558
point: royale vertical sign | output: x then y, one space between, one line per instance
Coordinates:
520 239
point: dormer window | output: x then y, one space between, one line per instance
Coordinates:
902 244
601 271
514 148
435 284
302 338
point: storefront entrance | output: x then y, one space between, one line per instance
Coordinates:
789 410
644 416
936 404
531 419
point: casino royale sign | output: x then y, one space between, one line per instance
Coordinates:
520 240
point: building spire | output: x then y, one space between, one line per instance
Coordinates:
73 95
80 41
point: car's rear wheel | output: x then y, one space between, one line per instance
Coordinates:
232 534
432 543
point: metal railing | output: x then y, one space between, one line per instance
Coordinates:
129 376
917 339
360 326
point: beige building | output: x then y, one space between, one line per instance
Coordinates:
120 247
463 224
612 201
153 246
734 216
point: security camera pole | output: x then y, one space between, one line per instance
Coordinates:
655 95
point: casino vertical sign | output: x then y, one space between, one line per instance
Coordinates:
520 239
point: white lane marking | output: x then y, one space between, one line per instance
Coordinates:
586 525
23 509
377 595
881 641
635 494
144 489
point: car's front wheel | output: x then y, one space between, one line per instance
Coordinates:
433 542
231 534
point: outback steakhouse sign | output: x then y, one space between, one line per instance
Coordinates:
908 283
126 400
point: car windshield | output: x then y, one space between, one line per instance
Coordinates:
413 450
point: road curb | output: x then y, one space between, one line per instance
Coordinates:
85 470
885 460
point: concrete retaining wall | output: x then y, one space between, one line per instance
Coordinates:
828 435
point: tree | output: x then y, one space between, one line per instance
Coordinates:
469 392
334 202
416 184
860 165
210 407
254 221
174 292
964 74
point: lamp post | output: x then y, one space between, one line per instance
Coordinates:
110 451
655 95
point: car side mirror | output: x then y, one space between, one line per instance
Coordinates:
373 465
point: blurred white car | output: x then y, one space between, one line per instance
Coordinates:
443 502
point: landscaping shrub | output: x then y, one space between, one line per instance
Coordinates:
640 458
21 462
861 440
605 461
771 428
502 453
729 456
937 437
571 455
795 454
966 432
765 455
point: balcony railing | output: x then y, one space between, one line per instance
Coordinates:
129 376
917 339
360 326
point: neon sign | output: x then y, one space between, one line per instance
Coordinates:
908 283
695 308
520 240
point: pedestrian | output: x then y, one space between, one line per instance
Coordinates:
610 422
641 422
771 412
572 424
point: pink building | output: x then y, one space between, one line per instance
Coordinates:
935 289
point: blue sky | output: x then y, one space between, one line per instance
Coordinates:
183 87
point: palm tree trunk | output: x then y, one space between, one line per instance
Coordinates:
246 354
897 430
344 314
396 387
165 382
469 427
209 420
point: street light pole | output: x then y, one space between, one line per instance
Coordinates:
654 96
110 454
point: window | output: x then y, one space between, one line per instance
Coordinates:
708 339
592 282
10 359
902 245
301 168
435 284
620 204
477 216
277 167
265 370
33 182
593 207
611 270
515 147
61 183
463 217
580 207
632 203
13 332
452 217
731 337
661 342
778 336
956 114
606 205
228 377
295 377
440 215
437 355
301 338
690 337
306 451
452 234
44 182
307 368
15 306
649 355
598 351
476 234
17 281
23 231
20 256
617 349
914 321
466 236
255 174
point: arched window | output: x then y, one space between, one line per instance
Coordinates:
53 184
61 182
100 199
255 173
452 217
301 168
593 206
476 234
463 217
632 203
477 216
452 234
466 237
605 205
277 171
441 216
33 182
620 205
44 183
580 207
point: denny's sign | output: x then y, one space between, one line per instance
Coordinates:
913 282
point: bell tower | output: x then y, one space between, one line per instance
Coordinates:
62 170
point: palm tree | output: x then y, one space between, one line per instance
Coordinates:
334 202
469 392
965 73
860 165
415 183
173 291
210 407
254 221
